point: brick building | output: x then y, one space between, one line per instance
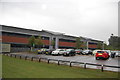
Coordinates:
18 38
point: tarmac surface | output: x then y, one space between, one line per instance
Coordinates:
80 58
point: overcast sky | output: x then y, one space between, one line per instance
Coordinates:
95 19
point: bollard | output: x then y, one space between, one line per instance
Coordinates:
70 64
20 57
84 65
10 55
48 61
25 57
15 56
39 59
58 62
102 68
31 58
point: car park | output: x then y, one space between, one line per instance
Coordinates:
87 52
101 55
58 52
69 52
78 51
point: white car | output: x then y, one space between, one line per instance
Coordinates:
95 51
117 53
58 52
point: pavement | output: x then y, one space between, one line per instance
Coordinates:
80 58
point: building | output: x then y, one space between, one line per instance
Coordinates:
18 38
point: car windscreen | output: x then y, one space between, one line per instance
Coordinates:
57 49
100 51
68 49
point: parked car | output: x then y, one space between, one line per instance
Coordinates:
87 52
108 51
102 55
49 51
78 51
42 51
58 52
69 52
117 53
95 51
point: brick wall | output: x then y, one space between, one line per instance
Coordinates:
19 40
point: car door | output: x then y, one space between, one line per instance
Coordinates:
61 51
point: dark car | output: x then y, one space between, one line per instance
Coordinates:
69 52
41 51
87 52
78 51
49 51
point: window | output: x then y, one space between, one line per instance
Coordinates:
66 40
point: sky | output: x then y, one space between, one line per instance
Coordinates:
96 19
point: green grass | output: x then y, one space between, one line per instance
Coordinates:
0 66
16 68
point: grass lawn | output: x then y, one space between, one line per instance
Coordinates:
0 66
16 68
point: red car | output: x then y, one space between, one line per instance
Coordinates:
102 55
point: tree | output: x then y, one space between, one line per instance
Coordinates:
114 42
38 41
84 46
99 45
78 43
31 42
105 45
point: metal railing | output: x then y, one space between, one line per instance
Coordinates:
39 59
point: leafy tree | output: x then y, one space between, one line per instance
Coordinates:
84 45
114 42
38 41
78 43
105 46
109 47
99 45
31 42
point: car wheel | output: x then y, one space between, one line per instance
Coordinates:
97 58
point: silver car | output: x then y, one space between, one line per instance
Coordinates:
58 52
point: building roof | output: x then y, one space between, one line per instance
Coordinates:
30 31
54 33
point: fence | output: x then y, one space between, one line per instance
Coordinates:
58 61
19 49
